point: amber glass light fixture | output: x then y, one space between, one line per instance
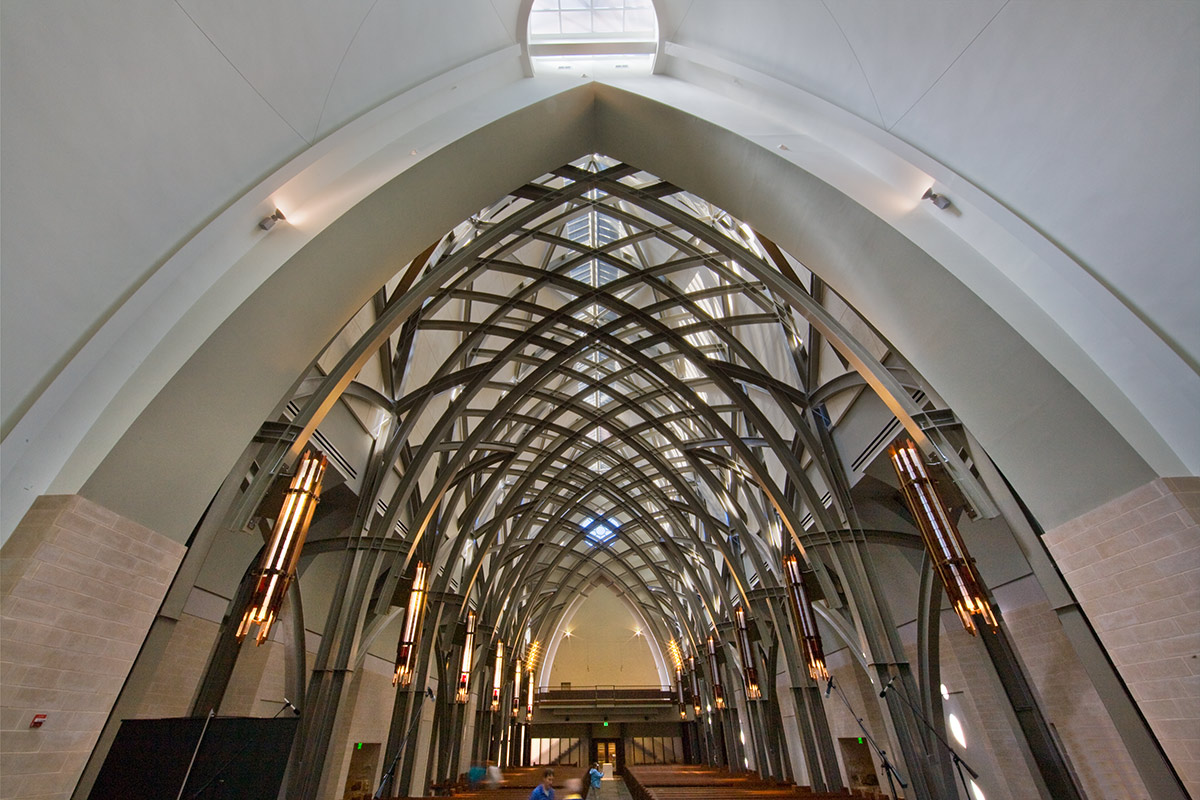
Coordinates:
529 699
806 620
464 675
718 693
278 566
406 651
753 691
498 676
517 682
531 656
677 660
695 684
951 560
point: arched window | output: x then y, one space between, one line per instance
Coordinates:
592 37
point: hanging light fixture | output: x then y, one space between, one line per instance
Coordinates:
497 676
695 686
516 704
529 700
718 694
677 659
464 675
752 690
806 620
531 657
406 651
278 566
951 560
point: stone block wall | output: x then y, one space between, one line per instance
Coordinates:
79 587
1134 566
179 670
1073 707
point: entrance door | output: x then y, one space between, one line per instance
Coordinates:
860 769
363 758
609 751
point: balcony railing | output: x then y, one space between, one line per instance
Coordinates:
605 696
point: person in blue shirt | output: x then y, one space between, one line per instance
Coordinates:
594 775
545 789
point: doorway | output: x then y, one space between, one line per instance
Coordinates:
860 769
363 758
609 751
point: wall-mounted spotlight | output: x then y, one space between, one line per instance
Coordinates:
939 200
266 223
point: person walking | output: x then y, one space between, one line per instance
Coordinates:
545 789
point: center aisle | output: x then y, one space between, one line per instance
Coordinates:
614 789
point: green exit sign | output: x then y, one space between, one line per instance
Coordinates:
606 724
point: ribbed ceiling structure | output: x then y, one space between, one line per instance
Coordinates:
590 381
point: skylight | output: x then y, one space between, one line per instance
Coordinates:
600 532
592 37
593 230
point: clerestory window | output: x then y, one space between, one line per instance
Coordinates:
592 37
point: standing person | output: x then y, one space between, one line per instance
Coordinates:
595 775
545 789
493 776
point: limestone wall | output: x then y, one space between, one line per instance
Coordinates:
80 587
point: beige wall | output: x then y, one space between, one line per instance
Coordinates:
1134 565
80 588
603 648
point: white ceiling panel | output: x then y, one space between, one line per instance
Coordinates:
798 42
905 47
403 44
123 133
288 51
1084 117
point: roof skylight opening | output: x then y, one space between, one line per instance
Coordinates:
600 532
590 38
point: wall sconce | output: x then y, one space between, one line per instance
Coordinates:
406 651
464 675
806 620
939 200
951 560
718 693
497 676
753 692
266 223
278 566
